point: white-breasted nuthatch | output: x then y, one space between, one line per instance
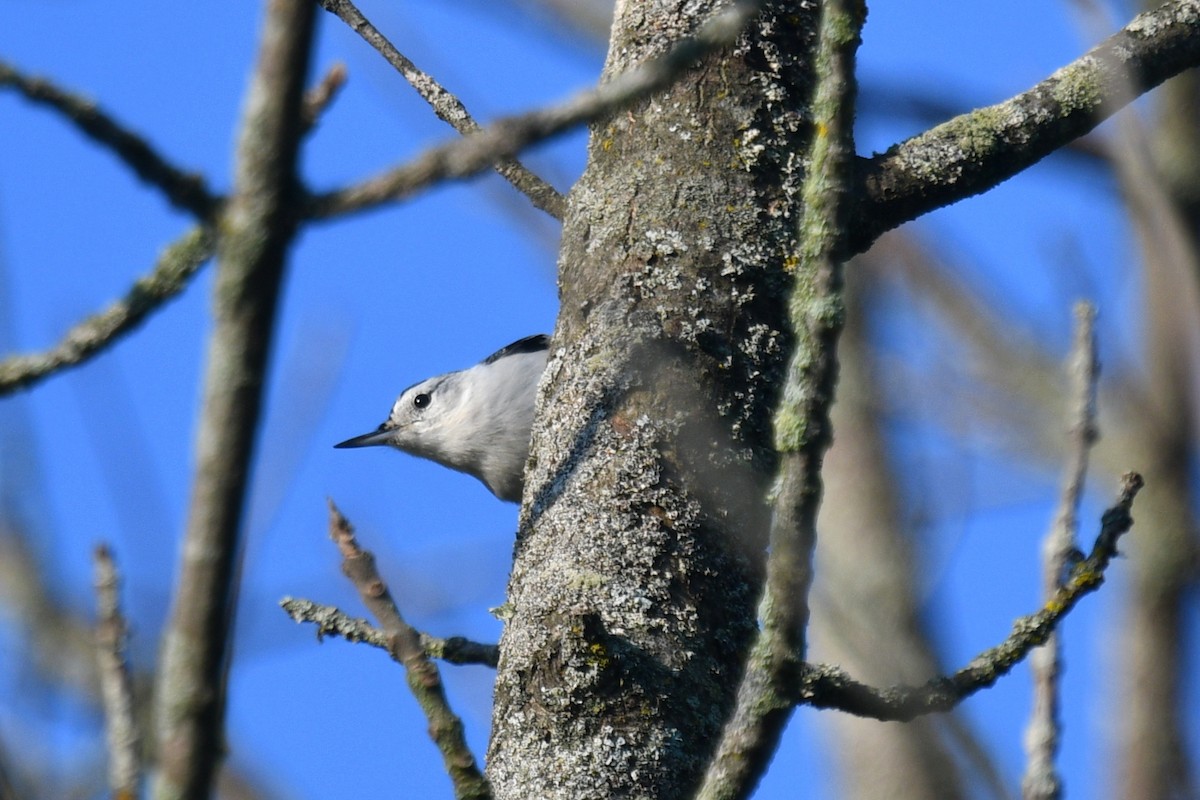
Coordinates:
476 420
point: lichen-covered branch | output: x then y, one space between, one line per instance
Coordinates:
802 426
332 622
404 643
257 227
175 268
829 687
447 106
184 190
508 136
976 151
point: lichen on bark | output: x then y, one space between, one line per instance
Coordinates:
638 560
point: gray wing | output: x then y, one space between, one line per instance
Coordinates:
530 344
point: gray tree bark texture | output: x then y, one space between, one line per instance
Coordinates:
639 555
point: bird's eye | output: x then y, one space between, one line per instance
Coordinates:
421 400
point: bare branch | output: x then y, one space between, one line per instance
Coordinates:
318 99
257 227
448 107
829 687
445 728
976 151
184 190
802 426
508 136
94 335
1041 780
116 688
60 648
461 650
332 622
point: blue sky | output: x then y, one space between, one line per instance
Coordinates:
379 301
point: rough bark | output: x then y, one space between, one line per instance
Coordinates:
638 560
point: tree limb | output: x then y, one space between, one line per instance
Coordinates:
829 687
448 107
318 99
504 138
257 227
404 643
332 622
974 152
184 190
95 334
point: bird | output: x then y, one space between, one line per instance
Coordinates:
476 420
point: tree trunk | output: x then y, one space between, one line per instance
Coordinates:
638 560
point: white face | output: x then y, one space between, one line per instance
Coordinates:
414 406
476 420
421 416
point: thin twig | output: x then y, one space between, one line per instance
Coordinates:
332 622
175 268
1041 780
258 225
508 136
802 426
318 99
183 189
116 687
448 107
829 687
976 151
62 643
445 728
